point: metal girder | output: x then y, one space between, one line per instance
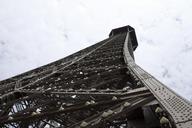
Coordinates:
29 116
91 92
179 108
112 113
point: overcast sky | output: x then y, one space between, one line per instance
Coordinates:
37 32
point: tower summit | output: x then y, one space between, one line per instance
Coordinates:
98 87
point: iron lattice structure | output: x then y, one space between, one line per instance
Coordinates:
98 87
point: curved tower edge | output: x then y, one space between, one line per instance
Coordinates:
178 108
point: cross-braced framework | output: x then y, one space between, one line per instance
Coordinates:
98 87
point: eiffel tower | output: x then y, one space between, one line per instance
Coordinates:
98 87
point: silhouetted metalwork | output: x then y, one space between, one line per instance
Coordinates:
98 87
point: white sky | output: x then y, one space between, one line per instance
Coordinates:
37 32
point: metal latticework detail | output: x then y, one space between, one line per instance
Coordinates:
179 109
99 87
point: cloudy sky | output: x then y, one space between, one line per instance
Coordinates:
37 32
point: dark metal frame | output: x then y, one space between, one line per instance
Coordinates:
100 86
